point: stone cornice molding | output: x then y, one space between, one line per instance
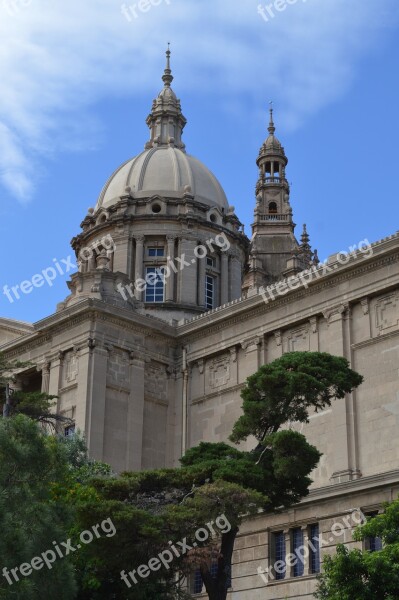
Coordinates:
220 392
90 311
375 340
254 306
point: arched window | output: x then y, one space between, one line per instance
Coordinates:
272 208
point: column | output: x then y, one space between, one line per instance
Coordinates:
55 374
170 281
135 417
46 377
336 343
235 277
201 281
138 270
90 410
313 335
306 555
122 254
224 278
187 275
289 569
251 360
55 378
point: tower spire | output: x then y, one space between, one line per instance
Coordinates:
167 77
305 237
271 127
166 120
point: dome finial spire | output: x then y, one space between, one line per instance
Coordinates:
167 77
271 127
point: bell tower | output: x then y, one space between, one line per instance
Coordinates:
275 252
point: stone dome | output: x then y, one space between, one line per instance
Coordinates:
273 144
167 171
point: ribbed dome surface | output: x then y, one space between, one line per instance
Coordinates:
166 171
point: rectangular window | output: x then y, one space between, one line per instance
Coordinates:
210 262
279 554
297 549
314 548
156 252
374 544
155 284
69 431
209 292
196 587
197 583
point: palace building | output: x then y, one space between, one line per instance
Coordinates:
168 315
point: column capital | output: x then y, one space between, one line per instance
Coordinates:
139 239
335 313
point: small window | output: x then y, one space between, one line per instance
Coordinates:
372 543
156 251
297 546
69 431
314 548
156 208
279 554
209 292
196 579
213 218
210 262
272 208
155 284
196 587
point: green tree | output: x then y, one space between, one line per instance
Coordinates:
218 479
365 575
30 517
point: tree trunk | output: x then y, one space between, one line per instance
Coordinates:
7 405
216 587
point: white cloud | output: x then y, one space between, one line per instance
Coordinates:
59 58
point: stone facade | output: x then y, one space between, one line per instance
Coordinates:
145 378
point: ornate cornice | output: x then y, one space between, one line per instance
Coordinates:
254 306
220 392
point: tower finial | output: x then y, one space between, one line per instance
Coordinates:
305 236
271 127
167 77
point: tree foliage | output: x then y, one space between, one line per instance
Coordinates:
288 388
365 575
30 518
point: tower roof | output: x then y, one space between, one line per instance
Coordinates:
166 120
272 146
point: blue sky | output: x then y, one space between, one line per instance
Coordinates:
78 79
